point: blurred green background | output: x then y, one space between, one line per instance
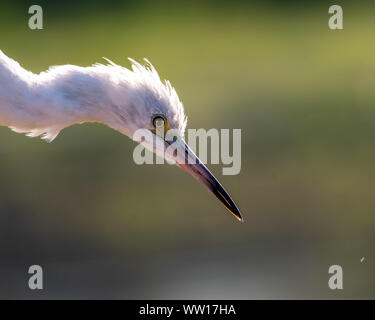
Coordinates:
303 95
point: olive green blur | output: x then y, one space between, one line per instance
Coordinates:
303 95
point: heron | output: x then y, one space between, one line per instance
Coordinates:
123 99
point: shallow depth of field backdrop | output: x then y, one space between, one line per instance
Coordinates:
303 95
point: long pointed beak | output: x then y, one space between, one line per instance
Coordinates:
187 160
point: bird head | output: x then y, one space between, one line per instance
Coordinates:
153 106
140 101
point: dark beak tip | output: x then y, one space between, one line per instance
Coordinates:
200 172
236 213
240 218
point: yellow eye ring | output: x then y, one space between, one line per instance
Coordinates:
159 120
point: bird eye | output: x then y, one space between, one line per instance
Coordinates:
159 121
161 124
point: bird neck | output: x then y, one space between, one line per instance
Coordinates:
43 104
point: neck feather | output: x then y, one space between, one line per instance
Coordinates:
43 104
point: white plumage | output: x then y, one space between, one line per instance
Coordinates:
45 103
125 100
